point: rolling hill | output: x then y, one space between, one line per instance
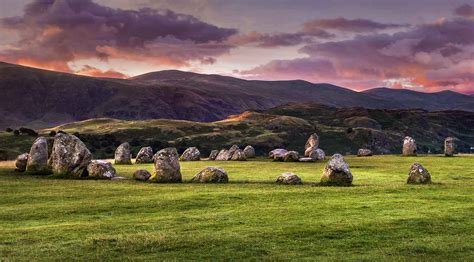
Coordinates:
39 98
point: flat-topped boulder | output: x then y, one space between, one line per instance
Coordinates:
37 162
144 156
313 141
336 172
21 161
70 156
249 151
289 179
167 168
449 146
364 152
123 154
409 146
211 175
213 154
101 169
306 159
278 154
141 175
291 156
191 154
418 175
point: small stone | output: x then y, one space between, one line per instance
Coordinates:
291 156
211 175
418 175
317 154
239 155
409 146
144 156
449 146
289 179
222 156
167 168
213 154
118 178
249 151
123 154
277 154
101 169
306 159
191 154
21 161
337 172
231 151
364 152
141 175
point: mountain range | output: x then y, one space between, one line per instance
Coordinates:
39 98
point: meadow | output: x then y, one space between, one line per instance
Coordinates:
380 217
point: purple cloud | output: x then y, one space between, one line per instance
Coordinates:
465 10
347 25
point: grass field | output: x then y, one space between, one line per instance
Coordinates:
251 218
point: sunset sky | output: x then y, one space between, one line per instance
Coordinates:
421 45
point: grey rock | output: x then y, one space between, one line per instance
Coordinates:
213 154
364 152
231 151
141 175
337 172
223 155
211 175
289 179
449 146
316 153
101 169
409 146
21 162
291 156
277 154
191 154
38 157
306 159
313 141
418 175
123 154
144 156
238 155
70 156
249 151
167 168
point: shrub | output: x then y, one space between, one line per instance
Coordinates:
9 130
52 133
16 132
28 131
349 130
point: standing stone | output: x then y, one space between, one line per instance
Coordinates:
289 179
70 156
167 168
313 141
38 157
213 154
249 151
211 175
317 154
449 146
291 156
101 169
364 152
277 154
223 154
191 154
123 154
337 172
418 175
21 161
144 156
141 175
231 151
239 155
409 146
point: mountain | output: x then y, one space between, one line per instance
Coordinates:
39 98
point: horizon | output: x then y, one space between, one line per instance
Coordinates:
357 45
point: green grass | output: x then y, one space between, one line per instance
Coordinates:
251 218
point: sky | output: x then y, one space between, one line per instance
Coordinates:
424 45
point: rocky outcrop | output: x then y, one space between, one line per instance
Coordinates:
249 151
21 161
100 169
238 155
213 154
38 157
70 156
449 146
167 168
418 175
141 175
313 141
278 154
364 152
291 156
337 172
123 154
191 154
211 175
289 179
144 156
409 146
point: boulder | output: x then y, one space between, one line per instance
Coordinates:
418 175
167 168
337 172
231 151
101 169
364 152
211 175
191 154
37 162
313 141
291 156
277 154
249 152
123 154
289 179
306 159
409 146
213 154
317 153
70 156
238 155
449 146
144 156
21 161
141 175
223 155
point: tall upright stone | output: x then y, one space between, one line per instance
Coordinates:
70 156
38 157
409 146
449 146
123 154
313 141
167 168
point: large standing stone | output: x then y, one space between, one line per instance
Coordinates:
70 156
167 168
211 175
249 151
313 141
364 152
316 153
141 175
449 146
144 156
191 154
291 156
277 154
289 179
213 154
21 161
409 146
123 154
238 155
101 169
223 155
418 175
337 172
38 157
